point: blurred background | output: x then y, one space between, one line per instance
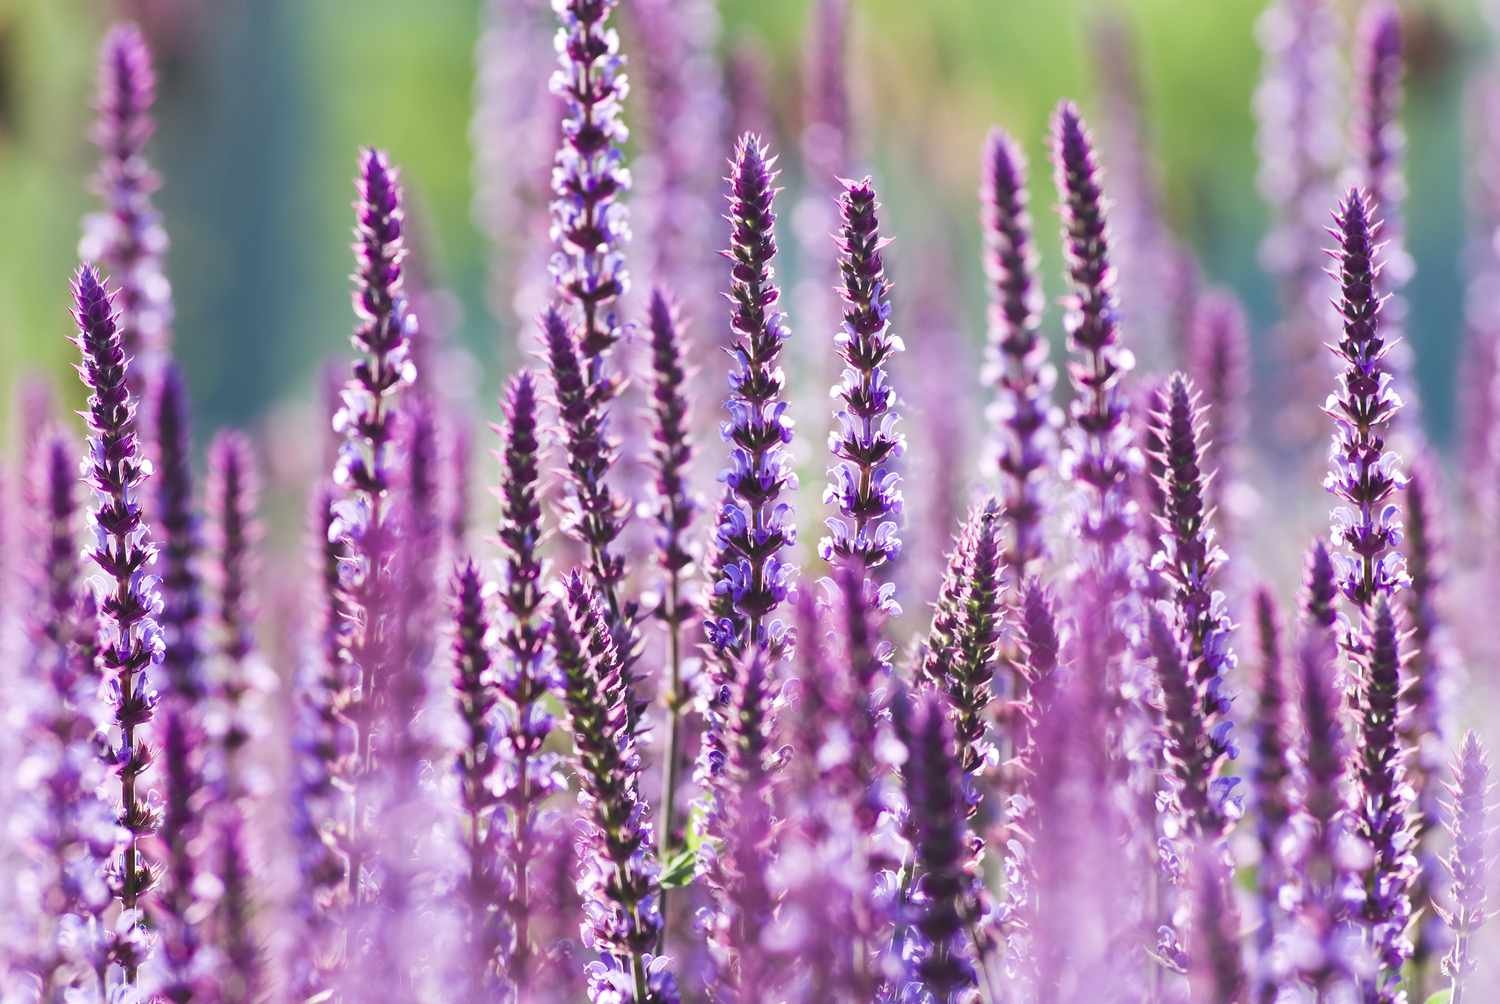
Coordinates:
263 104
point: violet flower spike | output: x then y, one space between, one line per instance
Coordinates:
937 810
1221 369
1218 970
242 976
232 499
1364 474
757 525
675 508
524 675
1192 752
1470 821
590 225
178 561
130 641
1271 779
618 880
863 484
127 239
180 906
1023 416
1382 816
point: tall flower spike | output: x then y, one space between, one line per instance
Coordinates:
366 470
618 879
1023 416
176 517
1430 665
232 492
524 676
675 506
1383 812
1221 368
590 226
756 525
127 239
595 515
1192 752
936 804
180 905
129 640
863 484
1188 561
1327 963
1469 820
1364 474
242 974
1271 786
1218 971
1098 453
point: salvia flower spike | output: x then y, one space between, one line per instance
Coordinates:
232 499
129 640
1023 416
618 880
1271 782
590 225
1471 823
128 239
756 524
863 483
1364 473
176 519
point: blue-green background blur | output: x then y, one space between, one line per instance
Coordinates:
264 102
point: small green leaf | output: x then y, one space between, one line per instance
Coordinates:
680 869
1441 997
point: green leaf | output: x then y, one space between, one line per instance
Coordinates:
1441 997
679 870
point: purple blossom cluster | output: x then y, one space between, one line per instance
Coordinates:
705 765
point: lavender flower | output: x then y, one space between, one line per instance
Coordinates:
178 522
756 524
129 640
862 484
1326 959
180 907
1098 454
1188 560
741 827
366 470
241 975
128 239
1193 750
524 676
618 880
1467 862
1364 474
589 222
1383 813
1220 367
675 508
232 492
937 807
1271 784
595 516
1023 379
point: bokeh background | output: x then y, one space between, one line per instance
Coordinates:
264 102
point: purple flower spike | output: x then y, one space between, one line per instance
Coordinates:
1364 473
181 549
675 508
232 497
180 905
1023 417
1470 822
128 239
590 226
1220 368
1328 960
863 484
241 975
1188 561
1271 784
1194 750
618 878
1383 813
130 641
756 524
1098 453
1320 591
937 807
